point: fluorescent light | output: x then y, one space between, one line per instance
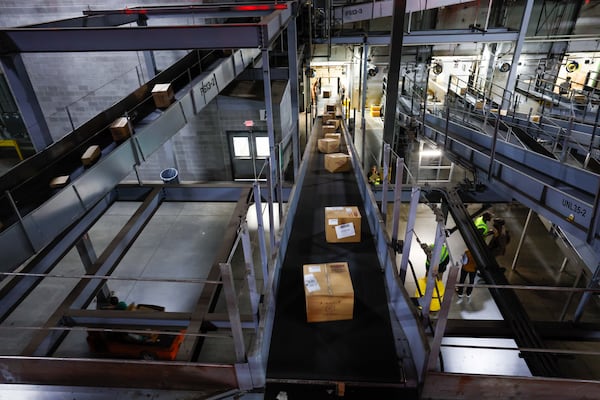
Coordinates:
431 153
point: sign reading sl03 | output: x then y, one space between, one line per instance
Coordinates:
572 66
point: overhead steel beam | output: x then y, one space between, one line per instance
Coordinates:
185 37
428 38
91 21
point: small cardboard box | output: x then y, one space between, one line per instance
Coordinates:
479 105
338 162
328 129
120 129
535 118
60 181
91 155
328 291
326 94
342 224
331 121
330 108
337 136
163 95
328 145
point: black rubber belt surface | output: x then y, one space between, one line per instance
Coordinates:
361 349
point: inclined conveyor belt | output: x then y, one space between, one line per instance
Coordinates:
361 351
32 214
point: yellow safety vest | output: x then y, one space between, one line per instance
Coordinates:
481 225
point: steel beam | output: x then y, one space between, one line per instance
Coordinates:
26 99
15 291
118 373
429 38
190 345
469 386
45 342
75 39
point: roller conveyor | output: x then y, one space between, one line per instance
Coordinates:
359 352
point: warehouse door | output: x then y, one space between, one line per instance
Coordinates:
248 153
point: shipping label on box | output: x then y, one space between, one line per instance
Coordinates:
338 162
342 224
345 230
328 292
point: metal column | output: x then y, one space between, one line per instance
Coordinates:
434 263
26 99
261 235
269 107
86 251
410 225
363 103
512 74
391 99
293 76
234 312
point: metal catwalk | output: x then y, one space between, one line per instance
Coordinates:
311 358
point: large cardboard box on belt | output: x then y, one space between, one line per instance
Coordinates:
163 95
337 136
338 162
328 291
91 155
331 121
120 129
342 224
328 145
328 129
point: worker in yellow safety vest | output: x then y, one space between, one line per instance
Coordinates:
444 258
481 224
374 176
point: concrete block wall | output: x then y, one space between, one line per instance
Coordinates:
86 83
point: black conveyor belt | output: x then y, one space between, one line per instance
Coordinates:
360 350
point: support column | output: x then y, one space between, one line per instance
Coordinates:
410 225
86 251
391 98
234 312
432 274
261 235
512 74
293 77
148 54
269 108
26 99
521 240
363 104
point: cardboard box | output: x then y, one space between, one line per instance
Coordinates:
330 108
163 95
328 291
326 94
91 155
479 105
327 145
331 121
342 224
338 162
337 136
328 129
120 129
535 118
60 181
